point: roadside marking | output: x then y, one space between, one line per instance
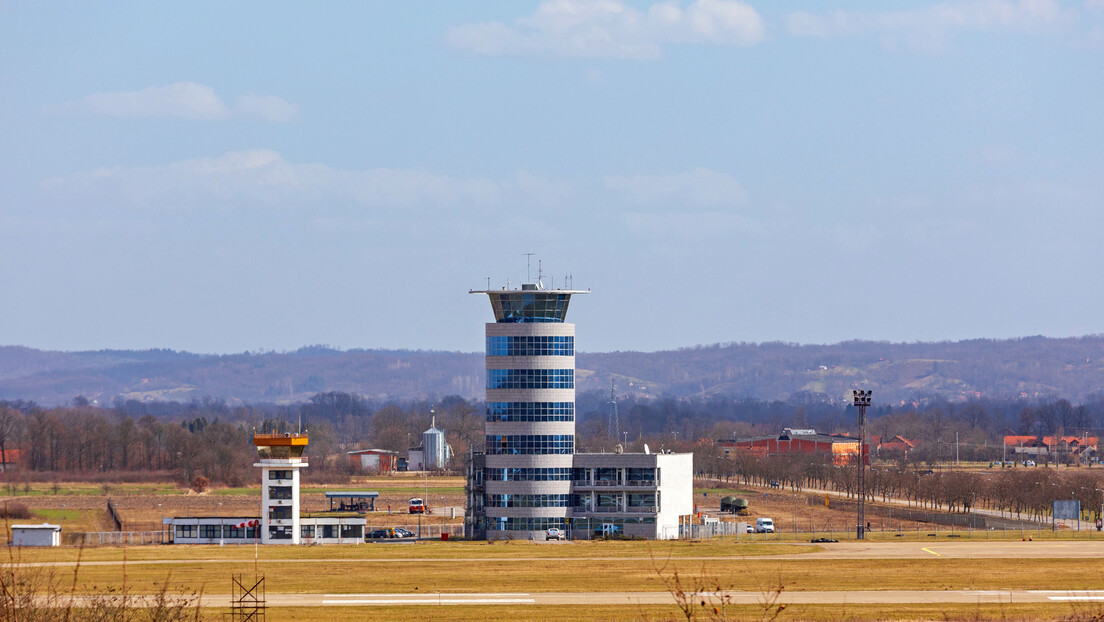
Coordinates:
931 551
426 594
1067 598
432 601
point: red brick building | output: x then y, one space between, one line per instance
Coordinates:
840 448
1049 445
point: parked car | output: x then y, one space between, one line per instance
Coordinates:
1029 463
555 534
377 534
764 525
403 533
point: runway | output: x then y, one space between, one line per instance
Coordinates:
844 550
869 597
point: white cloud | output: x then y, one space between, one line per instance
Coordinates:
699 188
929 28
679 227
609 28
183 100
261 177
267 108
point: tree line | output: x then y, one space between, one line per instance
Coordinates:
1022 493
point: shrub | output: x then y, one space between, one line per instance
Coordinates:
200 483
15 510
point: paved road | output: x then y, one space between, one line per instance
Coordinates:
665 598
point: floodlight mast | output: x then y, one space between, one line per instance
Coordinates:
861 400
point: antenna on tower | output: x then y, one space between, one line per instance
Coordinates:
528 277
540 274
614 425
488 283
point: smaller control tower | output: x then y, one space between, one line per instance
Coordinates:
280 458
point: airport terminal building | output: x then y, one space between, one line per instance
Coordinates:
529 478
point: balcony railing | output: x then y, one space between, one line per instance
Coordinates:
650 483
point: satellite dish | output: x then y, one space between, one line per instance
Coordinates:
646 450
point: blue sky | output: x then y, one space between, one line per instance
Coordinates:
227 177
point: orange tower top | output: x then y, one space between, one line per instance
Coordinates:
280 445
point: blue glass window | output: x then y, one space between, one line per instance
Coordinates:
530 444
530 411
530 378
529 474
529 307
555 345
502 523
528 501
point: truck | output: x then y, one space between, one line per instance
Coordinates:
417 506
764 525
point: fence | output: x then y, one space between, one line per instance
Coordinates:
430 531
114 516
888 531
139 538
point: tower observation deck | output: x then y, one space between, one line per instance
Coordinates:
526 472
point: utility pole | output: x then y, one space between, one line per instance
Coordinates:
861 400
956 448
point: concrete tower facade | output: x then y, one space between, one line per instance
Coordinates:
280 458
523 484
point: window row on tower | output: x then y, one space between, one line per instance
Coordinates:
530 411
530 378
529 307
529 474
530 444
529 501
525 524
529 345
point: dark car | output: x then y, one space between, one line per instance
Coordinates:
376 534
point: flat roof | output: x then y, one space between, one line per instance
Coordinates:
42 526
286 439
336 495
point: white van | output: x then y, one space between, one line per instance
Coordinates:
764 525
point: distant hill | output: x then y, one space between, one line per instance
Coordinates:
1072 368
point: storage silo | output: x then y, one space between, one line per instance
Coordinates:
437 451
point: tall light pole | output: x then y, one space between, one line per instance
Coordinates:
861 400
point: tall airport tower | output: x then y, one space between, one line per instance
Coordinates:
530 426
280 458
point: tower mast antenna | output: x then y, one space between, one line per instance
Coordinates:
528 258
614 426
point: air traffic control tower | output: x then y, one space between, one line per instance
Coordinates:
280 458
524 476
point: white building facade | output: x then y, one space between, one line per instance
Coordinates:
280 458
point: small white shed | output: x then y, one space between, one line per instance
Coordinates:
36 535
